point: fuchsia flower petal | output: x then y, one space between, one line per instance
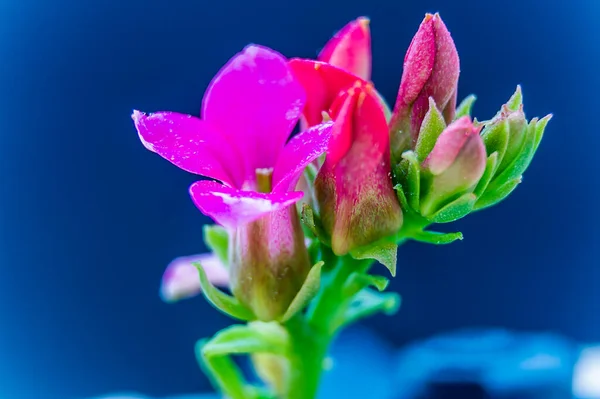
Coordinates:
180 280
350 49
187 142
255 101
232 208
323 82
297 154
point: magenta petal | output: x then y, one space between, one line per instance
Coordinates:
232 208
180 280
297 154
187 142
256 101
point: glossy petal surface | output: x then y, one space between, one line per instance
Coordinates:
232 208
255 101
187 142
297 154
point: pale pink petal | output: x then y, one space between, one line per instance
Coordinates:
297 154
189 143
232 208
256 101
350 49
180 280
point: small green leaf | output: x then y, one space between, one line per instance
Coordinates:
413 178
434 237
492 197
520 163
313 223
368 302
516 100
359 281
539 130
465 107
256 337
455 210
217 240
490 169
402 198
495 137
223 302
383 251
432 126
307 292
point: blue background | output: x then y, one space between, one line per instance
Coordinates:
89 218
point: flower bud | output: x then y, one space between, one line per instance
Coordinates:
268 263
354 188
431 69
454 166
350 49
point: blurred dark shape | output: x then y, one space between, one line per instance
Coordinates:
494 364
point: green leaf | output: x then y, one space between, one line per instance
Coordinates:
223 302
359 281
307 292
402 198
383 251
521 161
432 126
516 100
413 178
495 137
223 373
368 302
465 107
313 223
492 197
256 337
217 240
539 130
490 169
433 237
455 210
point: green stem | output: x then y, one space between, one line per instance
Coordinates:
311 335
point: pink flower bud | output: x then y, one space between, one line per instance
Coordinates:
350 49
269 263
180 280
354 188
454 166
431 69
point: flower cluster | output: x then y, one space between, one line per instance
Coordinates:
358 179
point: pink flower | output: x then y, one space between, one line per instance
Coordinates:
350 49
180 279
354 186
431 69
248 113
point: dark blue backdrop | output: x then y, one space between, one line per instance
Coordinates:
89 218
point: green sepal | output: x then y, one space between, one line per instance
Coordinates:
455 210
307 292
402 198
495 138
223 302
217 240
413 178
516 100
368 302
539 130
384 251
359 281
492 197
432 126
256 337
313 223
521 161
465 106
434 237
488 174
